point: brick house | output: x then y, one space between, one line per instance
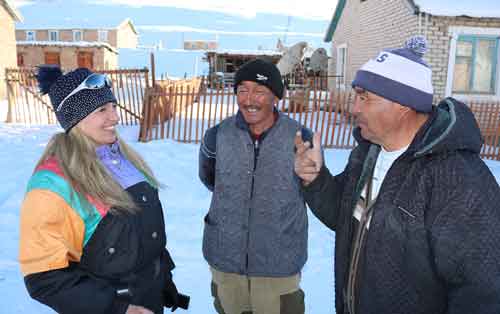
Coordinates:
463 41
95 48
8 16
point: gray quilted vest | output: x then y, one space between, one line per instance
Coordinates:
257 229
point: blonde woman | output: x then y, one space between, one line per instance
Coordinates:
92 236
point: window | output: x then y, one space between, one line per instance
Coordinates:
53 35
341 64
77 35
475 65
30 35
103 36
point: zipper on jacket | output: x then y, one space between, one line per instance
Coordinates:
255 158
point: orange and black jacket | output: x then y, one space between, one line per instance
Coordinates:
81 258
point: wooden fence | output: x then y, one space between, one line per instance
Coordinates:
488 118
184 113
26 105
184 110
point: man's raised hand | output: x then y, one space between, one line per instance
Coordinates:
308 161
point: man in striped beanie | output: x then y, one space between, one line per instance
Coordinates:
394 87
400 75
415 212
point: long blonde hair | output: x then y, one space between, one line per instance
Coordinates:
76 156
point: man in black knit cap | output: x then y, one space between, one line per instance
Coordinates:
255 237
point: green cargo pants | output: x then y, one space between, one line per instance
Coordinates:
237 294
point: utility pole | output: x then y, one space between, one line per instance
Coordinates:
286 29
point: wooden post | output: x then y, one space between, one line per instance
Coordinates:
328 123
10 97
153 73
336 112
143 130
191 102
186 104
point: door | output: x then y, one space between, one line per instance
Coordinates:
85 59
20 60
52 58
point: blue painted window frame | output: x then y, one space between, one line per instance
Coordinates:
474 40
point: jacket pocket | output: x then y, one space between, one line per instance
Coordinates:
211 238
114 249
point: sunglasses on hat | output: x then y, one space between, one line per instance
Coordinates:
93 81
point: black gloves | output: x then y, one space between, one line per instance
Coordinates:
171 297
170 293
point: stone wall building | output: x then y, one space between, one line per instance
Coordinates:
95 48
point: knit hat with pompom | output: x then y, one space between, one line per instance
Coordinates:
75 108
400 75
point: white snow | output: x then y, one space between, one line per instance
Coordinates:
185 202
4 106
66 44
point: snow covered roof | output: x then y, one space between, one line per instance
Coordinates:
476 8
11 9
129 22
76 23
97 44
247 52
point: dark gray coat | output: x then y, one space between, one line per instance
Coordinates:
433 245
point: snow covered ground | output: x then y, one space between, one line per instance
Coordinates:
185 201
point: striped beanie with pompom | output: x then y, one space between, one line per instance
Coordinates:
400 75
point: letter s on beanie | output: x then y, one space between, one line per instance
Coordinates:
400 75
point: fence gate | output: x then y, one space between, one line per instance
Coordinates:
26 105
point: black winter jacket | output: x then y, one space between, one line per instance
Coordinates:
433 245
125 262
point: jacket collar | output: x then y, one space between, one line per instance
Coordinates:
243 125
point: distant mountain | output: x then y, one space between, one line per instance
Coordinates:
169 27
